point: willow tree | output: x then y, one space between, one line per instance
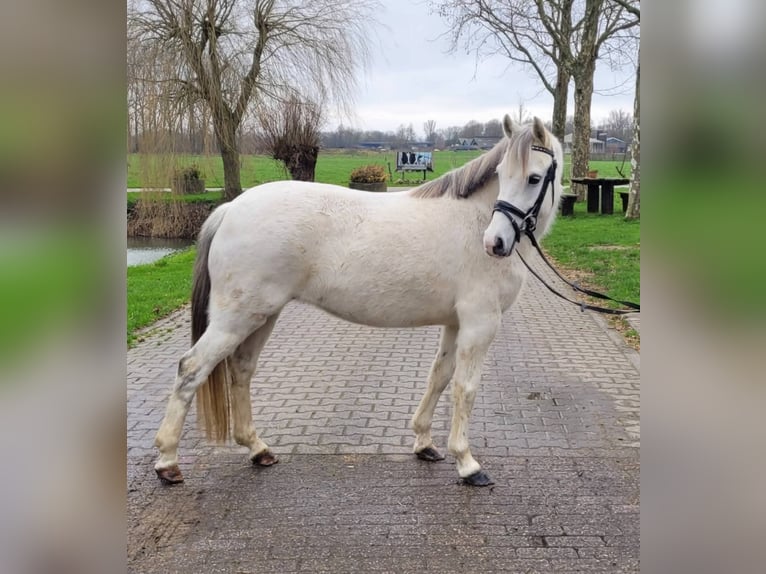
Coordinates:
290 134
227 53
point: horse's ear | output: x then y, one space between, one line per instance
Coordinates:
538 129
509 126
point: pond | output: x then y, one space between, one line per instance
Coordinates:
143 250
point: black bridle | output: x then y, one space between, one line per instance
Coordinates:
527 227
529 217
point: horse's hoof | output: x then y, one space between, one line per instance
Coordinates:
170 475
478 478
265 458
430 454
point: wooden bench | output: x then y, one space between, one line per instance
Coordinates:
567 203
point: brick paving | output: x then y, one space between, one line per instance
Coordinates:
556 425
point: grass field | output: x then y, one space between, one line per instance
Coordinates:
156 289
332 167
601 251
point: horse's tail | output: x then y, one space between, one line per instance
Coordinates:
213 395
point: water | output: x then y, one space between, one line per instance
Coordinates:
143 250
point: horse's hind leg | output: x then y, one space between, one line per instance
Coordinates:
243 363
193 369
441 372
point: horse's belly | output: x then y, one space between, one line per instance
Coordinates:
365 316
381 307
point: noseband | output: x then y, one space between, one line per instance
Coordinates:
529 217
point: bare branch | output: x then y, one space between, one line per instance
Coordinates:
632 6
234 53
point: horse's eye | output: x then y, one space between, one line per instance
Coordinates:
534 179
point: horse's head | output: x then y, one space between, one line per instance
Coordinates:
530 186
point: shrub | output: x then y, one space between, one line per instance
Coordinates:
188 179
369 174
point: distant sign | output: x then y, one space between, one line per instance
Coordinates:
414 161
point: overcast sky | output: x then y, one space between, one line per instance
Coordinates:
412 78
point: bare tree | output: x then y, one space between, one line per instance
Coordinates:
291 135
559 41
619 124
535 33
227 52
400 137
136 100
450 134
404 135
155 121
634 195
410 133
429 129
472 129
602 20
343 137
522 115
493 129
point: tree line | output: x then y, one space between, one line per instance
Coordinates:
196 135
619 124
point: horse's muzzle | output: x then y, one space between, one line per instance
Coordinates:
500 248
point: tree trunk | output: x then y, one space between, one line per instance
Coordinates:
581 134
585 68
226 134
305 164
634 196
300 161
231 182
134 147
560 97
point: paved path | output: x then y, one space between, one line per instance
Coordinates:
556 424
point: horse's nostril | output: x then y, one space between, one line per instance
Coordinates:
499 247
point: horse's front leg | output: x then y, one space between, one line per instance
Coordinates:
473 341
442 370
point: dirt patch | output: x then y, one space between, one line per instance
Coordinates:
159 517
629 334
611 247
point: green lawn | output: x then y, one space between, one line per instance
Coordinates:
601 251
156 289
332 167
